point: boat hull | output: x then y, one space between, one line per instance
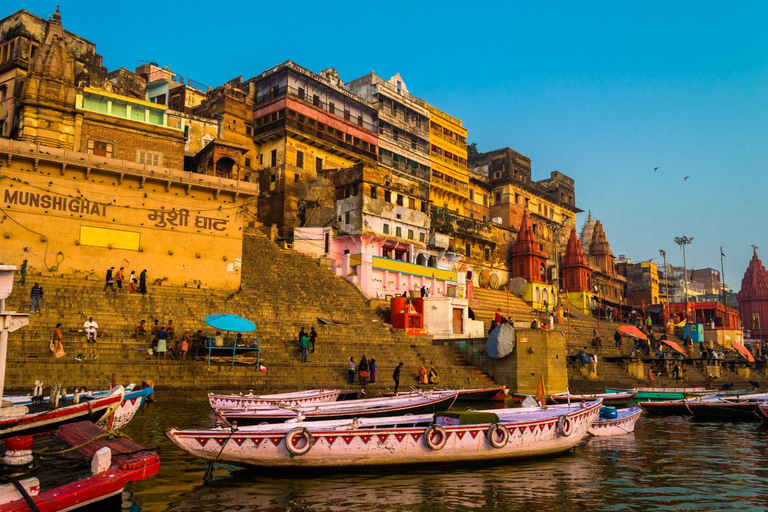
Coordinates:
676 407
423 406
722 410
623 424
128 408
218 401
350 447
608 398
665 393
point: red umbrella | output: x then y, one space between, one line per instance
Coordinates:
744 351
631 331
674 346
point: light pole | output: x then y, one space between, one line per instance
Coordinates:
682 241
666 285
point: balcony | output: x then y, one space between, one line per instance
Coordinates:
322 105
451 223
407 123
447 161
404 167
404 143
450 140
320 137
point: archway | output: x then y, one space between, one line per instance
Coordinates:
432 262
536 295
223 167
421 260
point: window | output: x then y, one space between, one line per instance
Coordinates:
360 120
497 196
386 229
398 231
176 101
388 196
331 108
318 164
247 162
272 178
316 100
487 255
248 130
301 93
261 158
99 148
485 199
354 189
468 249
300 159
347 192
149 157
346 218
346 115
410 234
399 200
296 177
374 193
424 206
422 237
274 158
471 195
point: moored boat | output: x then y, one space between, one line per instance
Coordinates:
362 408
665 393
722 409
496 434
91 475
238 401
128 408
36 418
490 394
621 422
762 411
608 398
29 399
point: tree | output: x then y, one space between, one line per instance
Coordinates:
472 151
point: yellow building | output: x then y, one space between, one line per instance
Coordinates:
77 214
449 184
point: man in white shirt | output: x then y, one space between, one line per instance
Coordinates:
90 330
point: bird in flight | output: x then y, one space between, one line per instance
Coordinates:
686 177
655 169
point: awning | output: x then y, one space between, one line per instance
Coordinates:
631 331
229 322
674 346
741 349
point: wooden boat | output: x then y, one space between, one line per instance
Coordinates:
665 393
623 423
679 407
28 399
36 418
350 394
490 394
491 435
363 408
241 401
52 488
608 398
722 409
762 411
128 408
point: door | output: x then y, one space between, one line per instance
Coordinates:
458 321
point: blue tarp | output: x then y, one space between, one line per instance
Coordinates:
230 322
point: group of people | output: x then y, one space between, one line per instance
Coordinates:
430 377
306 342
498 320
165 343
364 368
135 285
90 329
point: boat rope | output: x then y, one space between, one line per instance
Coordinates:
109 434
22 491
209 470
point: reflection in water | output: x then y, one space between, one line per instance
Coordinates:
668 464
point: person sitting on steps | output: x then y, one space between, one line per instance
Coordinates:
90 327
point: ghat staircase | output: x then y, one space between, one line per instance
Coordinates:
281 291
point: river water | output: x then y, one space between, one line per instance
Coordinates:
668 464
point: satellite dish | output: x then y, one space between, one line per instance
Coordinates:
517 286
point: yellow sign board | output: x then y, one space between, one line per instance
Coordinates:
111 238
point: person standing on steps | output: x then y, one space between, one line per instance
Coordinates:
396 376
362 370
352 367
372 369
497 316
143 282
162 342
119 279
36 295
23 280
132 288
57 343
109 281
90 327
304 346
617 339
312 338
302 333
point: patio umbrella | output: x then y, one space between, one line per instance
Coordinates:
230 322
631 331
674 346
741 349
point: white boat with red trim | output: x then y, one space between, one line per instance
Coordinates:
241 401
429 402
615 422
491 435
36 418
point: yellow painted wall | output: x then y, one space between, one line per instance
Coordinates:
64 222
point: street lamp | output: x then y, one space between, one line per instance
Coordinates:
682 241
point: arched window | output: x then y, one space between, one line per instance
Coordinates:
543 273
545 295
421 260
536 295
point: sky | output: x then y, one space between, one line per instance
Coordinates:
602 91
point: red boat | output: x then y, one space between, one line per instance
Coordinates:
88 478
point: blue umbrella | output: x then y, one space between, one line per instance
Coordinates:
229 322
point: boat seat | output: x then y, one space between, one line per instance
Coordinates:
454 418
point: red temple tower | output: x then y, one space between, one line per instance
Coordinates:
577 275
753 298
529 261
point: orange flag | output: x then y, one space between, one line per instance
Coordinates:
541 394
